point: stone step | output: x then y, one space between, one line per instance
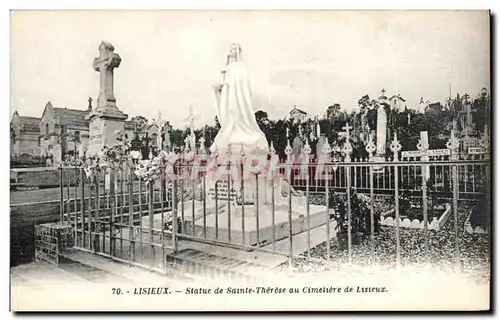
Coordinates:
203 265
127 272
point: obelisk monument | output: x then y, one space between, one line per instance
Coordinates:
106 118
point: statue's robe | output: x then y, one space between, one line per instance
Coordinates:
236 114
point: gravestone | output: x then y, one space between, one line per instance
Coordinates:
106 119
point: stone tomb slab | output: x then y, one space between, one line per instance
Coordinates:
235 228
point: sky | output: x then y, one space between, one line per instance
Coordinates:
311 59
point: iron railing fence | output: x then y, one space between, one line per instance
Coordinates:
118 215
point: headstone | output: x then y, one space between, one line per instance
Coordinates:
424 148
106 118
297 147
166 136
381 131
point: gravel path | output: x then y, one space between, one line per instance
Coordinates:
474 252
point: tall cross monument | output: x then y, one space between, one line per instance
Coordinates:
106 118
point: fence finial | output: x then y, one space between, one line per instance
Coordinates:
395 147
202 145
347 150
242 150
452 144
306 150
370 146
272 150
288 150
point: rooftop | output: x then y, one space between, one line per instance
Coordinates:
299 110
73 117
30 124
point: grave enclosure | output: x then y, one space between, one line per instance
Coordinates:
146 224
286 212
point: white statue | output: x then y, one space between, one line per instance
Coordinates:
234 107
381 130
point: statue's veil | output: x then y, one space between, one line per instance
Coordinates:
239 55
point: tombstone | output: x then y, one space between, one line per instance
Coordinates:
320 144
381 131
297 147
56 154
106 118
166 136
423 147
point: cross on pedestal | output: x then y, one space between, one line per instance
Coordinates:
347 129
383 91
468 117
104 64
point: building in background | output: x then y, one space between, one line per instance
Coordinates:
63 131
24 135
397 103
298 115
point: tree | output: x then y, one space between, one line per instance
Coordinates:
332 111
260 115
140 123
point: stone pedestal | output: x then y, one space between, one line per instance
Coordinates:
232 227
228 219
102 131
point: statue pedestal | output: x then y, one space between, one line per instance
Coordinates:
231 227
252 223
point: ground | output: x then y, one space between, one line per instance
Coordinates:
474 258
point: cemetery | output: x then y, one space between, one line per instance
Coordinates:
324 195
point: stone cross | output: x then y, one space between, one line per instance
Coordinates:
383 91
347 128
105 63
167 128
468 117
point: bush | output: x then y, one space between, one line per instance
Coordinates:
360 212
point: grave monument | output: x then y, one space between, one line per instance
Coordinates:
381 133
238 207
106 118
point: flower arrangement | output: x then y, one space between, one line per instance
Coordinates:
121 153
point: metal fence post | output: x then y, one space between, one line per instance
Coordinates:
82 204
112 207
174 213
347 150
131 213
326 150
61 191
288 152
370 149
423 146
453 145
395 148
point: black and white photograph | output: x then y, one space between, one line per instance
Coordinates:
250 160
